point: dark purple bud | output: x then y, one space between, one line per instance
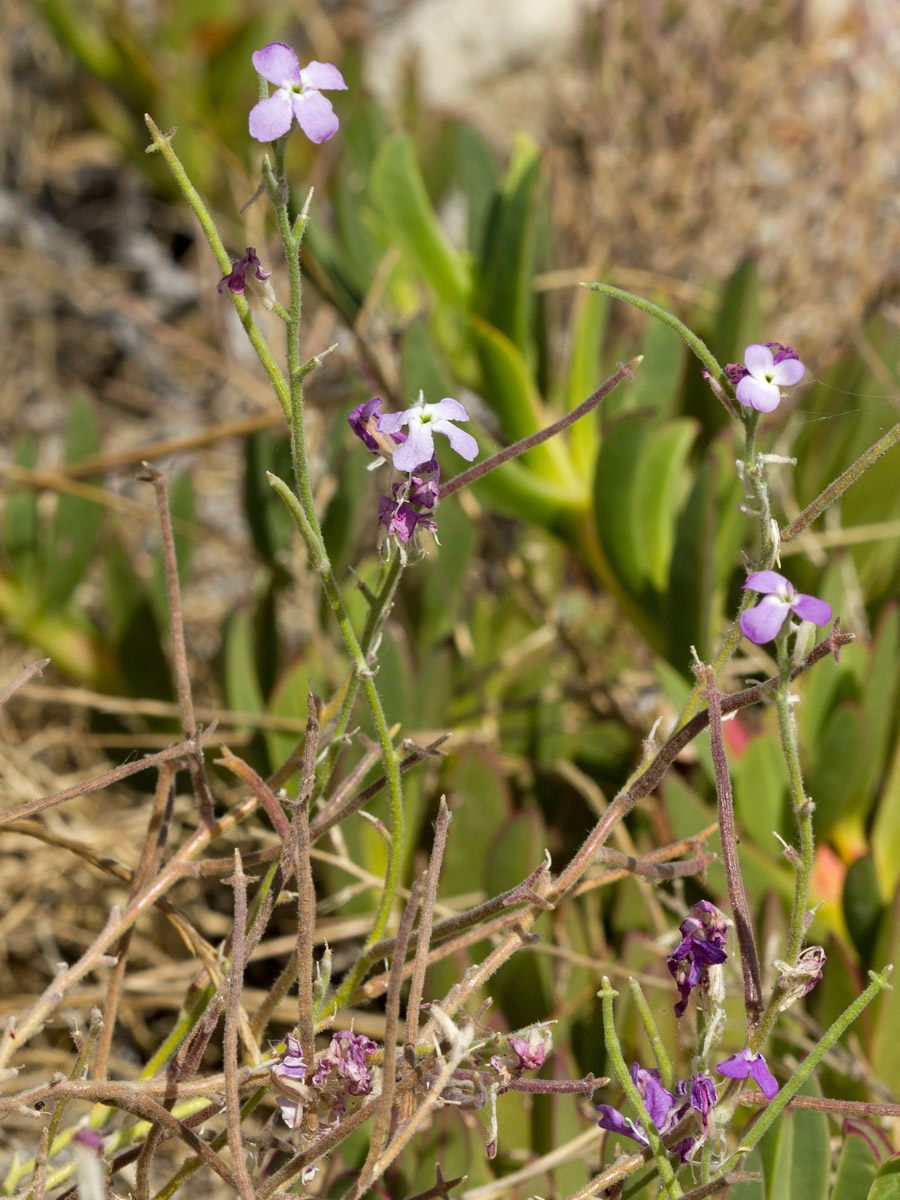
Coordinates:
236 280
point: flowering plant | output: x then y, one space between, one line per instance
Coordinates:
342 805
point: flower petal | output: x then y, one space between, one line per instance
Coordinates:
392 422
735 1067
759 1071
322 75
612 1119
756 393
315 116
810 608
788 372
278 63
758 359
447 409
417 449
761 624
463 443
271 118
765 581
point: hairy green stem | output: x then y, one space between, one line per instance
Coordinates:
162 142
878 983
617 1060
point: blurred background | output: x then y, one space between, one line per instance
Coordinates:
735 162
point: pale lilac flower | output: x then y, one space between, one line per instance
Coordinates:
747 1065
769 366
424 420
298 95
704 932
236 280
763 623
346 1058
664 1109
288 1075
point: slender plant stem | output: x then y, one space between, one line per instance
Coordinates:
617 1061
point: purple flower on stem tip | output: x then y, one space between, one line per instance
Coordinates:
298 95
664 1109
704 932
236 280
763 623
769 366
424 421
747 1065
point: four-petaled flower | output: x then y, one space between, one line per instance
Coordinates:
236 279
424 421
704 932
747 1065
769 366
664 1109
298 95
763 623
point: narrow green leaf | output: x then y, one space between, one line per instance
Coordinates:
862 906
400 196
739 319
760 788
242 689
857 1168
21 524
776 1152
585 375
660 485
887 1182
615 488
76 520
657 383
505 291
510 389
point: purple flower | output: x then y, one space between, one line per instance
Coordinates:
297 95
762 623
346 1057
236 280
530 1053
288 1075
704 932
664 1109
424 420
769 367
412 501
402 520
747 1065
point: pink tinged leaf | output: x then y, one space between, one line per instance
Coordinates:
762 624
271 118
315 116
322 75
278 63
810 608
